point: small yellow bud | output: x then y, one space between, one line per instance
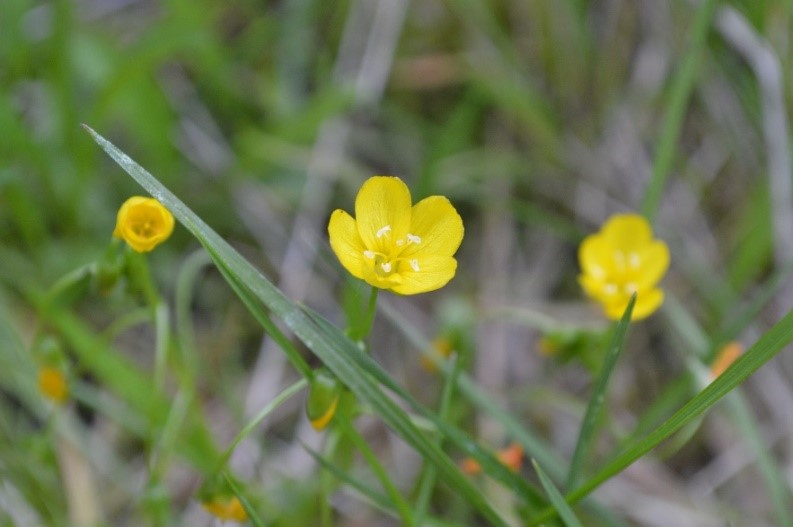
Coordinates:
226 508
53 384
323 399
441 347
143 223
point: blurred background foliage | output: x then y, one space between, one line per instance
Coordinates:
537 118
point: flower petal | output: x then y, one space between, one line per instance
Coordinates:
628 232
654 261
647 302
435 222
346 242
382 211
593 287
143 223
596 257
434 272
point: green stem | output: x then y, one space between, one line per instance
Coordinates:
140 275
326 480
429 473
126 321
258 418
72 284
679 93
371 309
161 327
402 507
185 285
589 424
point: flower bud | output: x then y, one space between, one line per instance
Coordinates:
225 508
52 379
323 399
52 384
442 349
143 223
218 499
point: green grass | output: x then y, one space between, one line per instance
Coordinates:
536 119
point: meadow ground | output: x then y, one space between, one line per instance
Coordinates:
181 387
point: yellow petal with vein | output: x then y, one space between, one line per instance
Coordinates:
436 222
382 210
654 260
628 232
595 256
346 242
434 273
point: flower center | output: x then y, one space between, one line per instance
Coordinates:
388 262
145 228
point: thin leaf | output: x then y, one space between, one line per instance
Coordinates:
246 504
259 417
761 352
490 464
565 512
589 424
364 488
402 507
679 93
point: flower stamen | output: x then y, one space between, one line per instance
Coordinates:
383 231
414 264
412 238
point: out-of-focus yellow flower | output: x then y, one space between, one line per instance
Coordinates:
52 384
622 259
393 245
143 223
511 457
442 348
724 359
226 508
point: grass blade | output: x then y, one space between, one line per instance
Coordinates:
488 461
259 417
246 504
589 424
679 93
761 352
565 512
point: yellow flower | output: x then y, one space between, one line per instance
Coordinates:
621 259
143 223
226 508
53 384
392 245
442 349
